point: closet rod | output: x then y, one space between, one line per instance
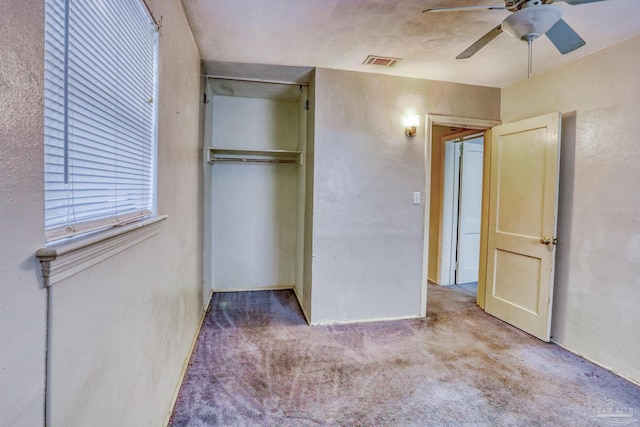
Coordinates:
239 79
244 160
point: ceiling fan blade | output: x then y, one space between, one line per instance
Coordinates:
578 2
463 8
482 42
564 38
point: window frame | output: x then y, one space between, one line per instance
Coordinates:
108 213
67 254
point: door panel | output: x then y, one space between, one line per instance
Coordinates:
450 205
521 182
525 272
470 210
522 211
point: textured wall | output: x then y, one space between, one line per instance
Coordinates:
121 330
22 299
597 282
368 236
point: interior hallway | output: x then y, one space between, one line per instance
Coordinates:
257 362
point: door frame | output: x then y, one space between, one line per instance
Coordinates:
469 123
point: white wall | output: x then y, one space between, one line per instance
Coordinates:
120 331
597 282
367 234
254 213
22 299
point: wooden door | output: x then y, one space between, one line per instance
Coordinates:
522 223
470 207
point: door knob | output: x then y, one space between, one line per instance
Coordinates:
548 241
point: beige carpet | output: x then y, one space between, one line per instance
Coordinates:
257 363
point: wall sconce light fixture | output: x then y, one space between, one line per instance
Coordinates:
412 123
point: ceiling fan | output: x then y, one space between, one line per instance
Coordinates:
530 19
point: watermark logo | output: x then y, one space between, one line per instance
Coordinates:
609 412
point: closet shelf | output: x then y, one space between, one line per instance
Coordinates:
254 156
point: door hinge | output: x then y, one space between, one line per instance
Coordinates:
306 105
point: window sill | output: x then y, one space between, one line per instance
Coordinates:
64 259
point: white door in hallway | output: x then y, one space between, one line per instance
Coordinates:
470 210
522 223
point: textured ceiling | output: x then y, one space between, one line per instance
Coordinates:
341 33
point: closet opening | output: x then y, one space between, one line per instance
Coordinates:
255 184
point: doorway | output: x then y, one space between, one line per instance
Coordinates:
461 209
518 220
437 127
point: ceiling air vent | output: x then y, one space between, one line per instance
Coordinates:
381 60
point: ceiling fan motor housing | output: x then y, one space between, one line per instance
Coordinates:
515 5
531 22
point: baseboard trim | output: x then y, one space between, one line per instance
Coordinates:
621 375
381 319
270 288
185 365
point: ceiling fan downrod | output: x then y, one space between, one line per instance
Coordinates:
530 40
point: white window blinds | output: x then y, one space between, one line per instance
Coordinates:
100 114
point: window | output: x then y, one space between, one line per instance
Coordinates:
100 115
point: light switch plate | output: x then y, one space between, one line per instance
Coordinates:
416 198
